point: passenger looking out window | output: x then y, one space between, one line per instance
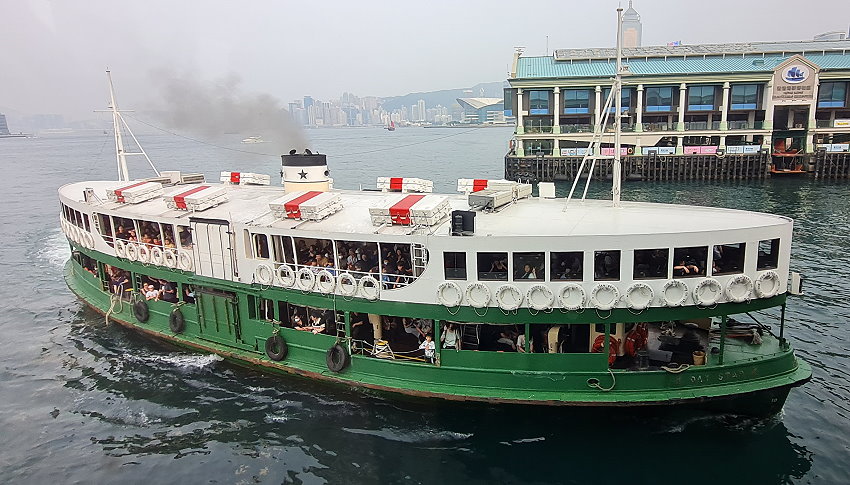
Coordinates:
529 266
493 266
607 265
728 258
567 266
450 337
185 235
119 281
651 263
690 262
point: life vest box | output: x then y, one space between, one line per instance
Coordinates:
134 193
245 178
306 205
405 184
408 209
197 198
491 198
468 186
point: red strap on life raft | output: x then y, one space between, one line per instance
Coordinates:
180 199
400 212
234 177
293 207
119 193
479 184
396 183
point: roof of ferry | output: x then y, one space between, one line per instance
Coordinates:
525 217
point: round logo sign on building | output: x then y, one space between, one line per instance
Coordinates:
795 74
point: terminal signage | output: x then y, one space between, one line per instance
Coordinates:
794 82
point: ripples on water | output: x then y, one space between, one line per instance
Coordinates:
82 401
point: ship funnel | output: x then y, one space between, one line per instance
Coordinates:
305 171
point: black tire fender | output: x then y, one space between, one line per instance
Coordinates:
337 358
276 348
176 321
140 311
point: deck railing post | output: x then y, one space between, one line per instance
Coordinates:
527 343
722 337
437 341
347 316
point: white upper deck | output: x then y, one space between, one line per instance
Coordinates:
533 217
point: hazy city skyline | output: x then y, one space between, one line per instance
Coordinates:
55 52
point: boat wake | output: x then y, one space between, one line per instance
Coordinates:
186 363
53 250
411 436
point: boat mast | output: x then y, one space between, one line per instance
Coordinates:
117 122
120 157
618 114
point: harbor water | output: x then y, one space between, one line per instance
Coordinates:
82 401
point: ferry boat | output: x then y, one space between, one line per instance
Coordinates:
490 295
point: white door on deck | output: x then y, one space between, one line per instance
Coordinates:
213 249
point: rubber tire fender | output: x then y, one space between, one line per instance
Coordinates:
337 358
140 311
176 322
276 348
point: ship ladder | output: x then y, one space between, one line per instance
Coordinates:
419 259
470 338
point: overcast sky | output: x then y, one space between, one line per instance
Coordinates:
54 53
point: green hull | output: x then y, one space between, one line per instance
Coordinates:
753 380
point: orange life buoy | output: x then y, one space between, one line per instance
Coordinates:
637 339
613 347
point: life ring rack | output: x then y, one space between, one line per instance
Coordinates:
599 290
566 297
670 295
478 295
347 284
449 294
767 278
305 279
639 296
144 253
739 288
285 275
714 289
325 281
509 297
263 274
540 297
369 288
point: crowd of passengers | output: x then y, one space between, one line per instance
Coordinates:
149 234
408 337
395 262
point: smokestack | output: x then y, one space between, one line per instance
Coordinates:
305 171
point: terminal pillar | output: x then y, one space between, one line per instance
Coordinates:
680 149
639 109
767 103
724 110
556 113
597 108
683 91
812 122
520 128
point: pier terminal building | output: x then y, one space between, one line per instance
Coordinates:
780 105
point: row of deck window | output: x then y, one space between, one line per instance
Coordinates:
149 233
662 98
686 262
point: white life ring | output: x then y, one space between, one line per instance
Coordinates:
675 293
263 274
156 255
347 284
184 259
325 281
89 240
286 276
572 296
132 251
169 258
144 254
369 288
639 296
305 279
120 248
509 297
739 288
540 297
707 292
449 294
478 295
604 296
73 234
767 284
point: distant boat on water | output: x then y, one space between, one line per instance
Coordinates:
4 130
254 139
391 126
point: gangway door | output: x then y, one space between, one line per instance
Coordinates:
214 247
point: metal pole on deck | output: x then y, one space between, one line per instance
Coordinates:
618 115
722 337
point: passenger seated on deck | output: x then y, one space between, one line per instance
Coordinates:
120 282
404 275
168 292
506 342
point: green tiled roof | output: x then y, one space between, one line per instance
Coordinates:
548 67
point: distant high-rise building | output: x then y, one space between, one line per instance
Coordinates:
308 101
420 110
4 128
632 29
